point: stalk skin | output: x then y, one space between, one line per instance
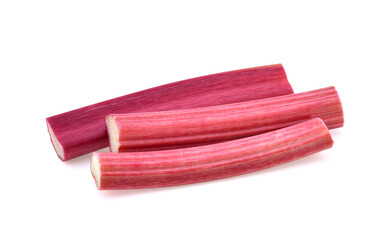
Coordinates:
199 126
135 170
83 130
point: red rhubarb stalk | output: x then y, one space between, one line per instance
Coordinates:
133 170
200 126
83 130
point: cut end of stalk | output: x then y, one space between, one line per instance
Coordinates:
57 146
95 170
112 133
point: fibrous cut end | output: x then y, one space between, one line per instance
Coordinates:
57 146
112 133
95 170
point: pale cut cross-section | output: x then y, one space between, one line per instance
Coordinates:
95 170
112 133
57 146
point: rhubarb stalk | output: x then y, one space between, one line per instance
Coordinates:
83 130
133 170
207 125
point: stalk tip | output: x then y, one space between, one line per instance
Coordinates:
112 133
95 170
55 142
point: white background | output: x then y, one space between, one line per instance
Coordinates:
56 56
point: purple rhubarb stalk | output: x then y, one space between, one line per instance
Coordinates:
83 130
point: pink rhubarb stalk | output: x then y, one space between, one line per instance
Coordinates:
133 170
83 130
200 126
